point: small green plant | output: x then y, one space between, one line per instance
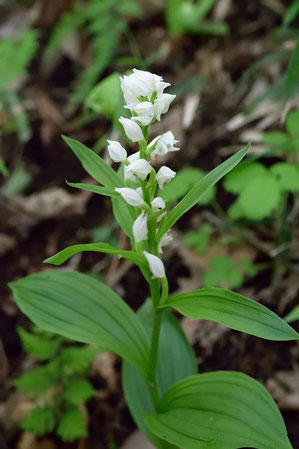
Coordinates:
104 22
58 385
174 405
189 16
199 241
17 54
253 180
285 141
223 272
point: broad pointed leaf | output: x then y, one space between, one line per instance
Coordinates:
93 188
193 196
66 253
95 166
220 410
233 310
80 307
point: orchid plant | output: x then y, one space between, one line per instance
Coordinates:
172 404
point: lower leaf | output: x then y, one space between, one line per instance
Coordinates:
220 410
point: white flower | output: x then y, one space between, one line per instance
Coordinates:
164 175
131 196
164 144
162 104
158 204
127 174
155 265
140 168
141 84
132 129
145 111
140 227
116 151
165 240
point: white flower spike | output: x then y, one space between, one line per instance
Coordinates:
140 230
132 129
155 265
164 175
131 196
116 151
140 168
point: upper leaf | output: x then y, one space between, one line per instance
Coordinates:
233 310
194 195
220 410
94 164
72 425
78 390
66 253
80 307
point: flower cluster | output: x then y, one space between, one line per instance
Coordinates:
146 100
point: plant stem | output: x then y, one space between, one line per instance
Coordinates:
154 356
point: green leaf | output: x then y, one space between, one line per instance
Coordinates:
92 188
106 97
94 164
38 381
78 391
176 361
277 140
123 216
291 83
291 124
287 175
79 307
222 271
72 425
200 240
239 178
39 421
220 410
233 310
260 197
68 252
193 196
41 348
76 360
184 181
293 315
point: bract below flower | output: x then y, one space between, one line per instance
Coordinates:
155 265
131 196
164 175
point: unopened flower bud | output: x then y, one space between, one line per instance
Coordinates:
132 129
116 151
131 196
140 168
155 265
158 204
140 227
164 175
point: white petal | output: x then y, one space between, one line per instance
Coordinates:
156 265
131 196
140 230
140 168
116 151
132 130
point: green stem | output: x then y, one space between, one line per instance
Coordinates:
152 372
